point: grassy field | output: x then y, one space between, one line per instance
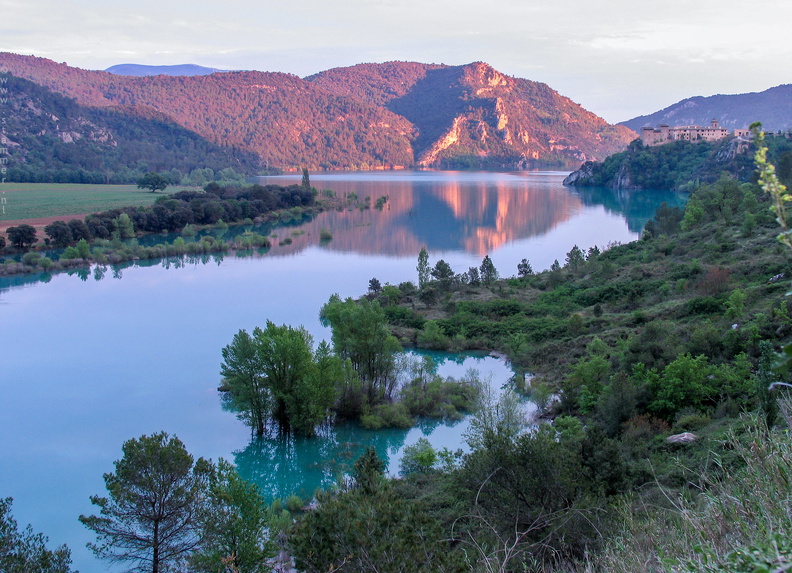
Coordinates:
37 200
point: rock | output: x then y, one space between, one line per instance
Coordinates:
684 438
586 170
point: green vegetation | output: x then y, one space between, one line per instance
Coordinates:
23 551
165 511
275 378
669 447
150 516
678 165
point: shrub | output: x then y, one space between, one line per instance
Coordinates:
294 503
419 457
31 259
387 416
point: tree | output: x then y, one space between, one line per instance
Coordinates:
443 273
151 517
124 226
274 374
235 526
153 181
21 236
575 258
244 386
26 552
306 181
59 233
488 272
286 359
369 471
360 334
524 269
371 528
423 268
79 230
420 457
375 287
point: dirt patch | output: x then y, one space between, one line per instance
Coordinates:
39 223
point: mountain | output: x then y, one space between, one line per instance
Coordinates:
474 116
364 117
773 107
49 137
140 70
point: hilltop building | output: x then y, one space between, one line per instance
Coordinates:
665 134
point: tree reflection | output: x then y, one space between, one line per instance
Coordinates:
282 465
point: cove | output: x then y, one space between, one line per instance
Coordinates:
91 359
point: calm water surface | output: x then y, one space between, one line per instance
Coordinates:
92 359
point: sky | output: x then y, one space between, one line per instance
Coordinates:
617 58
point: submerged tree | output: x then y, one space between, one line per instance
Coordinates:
274 374
360 335
150 518
244 385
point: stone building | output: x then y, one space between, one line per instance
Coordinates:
665 134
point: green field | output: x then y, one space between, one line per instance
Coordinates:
34 200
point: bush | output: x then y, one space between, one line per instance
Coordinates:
31 259
420 457
294 503
387 416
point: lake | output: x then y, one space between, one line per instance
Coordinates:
89 360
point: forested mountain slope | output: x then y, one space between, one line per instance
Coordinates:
368 116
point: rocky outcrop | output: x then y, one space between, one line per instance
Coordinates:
581 174
683 438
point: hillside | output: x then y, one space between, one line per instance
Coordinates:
401 115
773 107
51 138
678 165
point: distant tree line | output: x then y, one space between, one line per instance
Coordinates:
174 212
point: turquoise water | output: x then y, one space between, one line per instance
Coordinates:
88 360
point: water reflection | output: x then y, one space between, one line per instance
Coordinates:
471 213
284 465
637 207
447 211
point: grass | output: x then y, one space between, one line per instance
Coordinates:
37 200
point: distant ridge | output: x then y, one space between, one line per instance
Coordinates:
141 70
773 107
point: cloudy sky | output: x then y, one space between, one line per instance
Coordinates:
618 58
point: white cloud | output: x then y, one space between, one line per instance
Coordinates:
616 57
